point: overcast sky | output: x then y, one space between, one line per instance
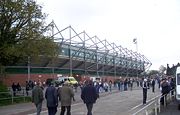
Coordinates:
155 24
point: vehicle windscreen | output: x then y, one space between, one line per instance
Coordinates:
72 79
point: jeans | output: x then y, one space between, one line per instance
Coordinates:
89 108
144 95
39 107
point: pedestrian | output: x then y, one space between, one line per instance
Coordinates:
66 95
106 85
145 87
51 96
89 96
131 83
97 87
37 97
18 87
153 85
14 89
165 90
27 88
110 85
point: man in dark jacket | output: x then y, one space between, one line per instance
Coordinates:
37 97
153 85
145 87
165 90
51 96
89 96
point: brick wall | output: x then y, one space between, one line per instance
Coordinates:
22 78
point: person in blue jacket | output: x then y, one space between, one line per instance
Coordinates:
89 96
51 96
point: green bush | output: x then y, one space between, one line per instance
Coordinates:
3 89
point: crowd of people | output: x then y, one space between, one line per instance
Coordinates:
65 95
15 88
165 84
90 91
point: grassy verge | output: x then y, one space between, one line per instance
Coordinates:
16 100
6 98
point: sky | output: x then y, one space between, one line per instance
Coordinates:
155 24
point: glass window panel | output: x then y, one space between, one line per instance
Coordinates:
178 79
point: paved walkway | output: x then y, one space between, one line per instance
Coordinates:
114 103
171 109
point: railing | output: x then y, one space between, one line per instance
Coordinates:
10 95
154 107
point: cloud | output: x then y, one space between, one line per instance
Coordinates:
155 24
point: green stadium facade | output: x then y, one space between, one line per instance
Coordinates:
80 54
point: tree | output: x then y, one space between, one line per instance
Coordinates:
162 69
22 32
153 72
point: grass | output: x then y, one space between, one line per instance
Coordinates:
16 100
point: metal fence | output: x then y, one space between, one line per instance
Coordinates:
154 107
11 95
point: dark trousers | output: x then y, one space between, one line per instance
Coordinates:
63 109
52 110
38 108
89 108
153 87
164 98
144 95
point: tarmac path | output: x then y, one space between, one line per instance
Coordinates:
109 103
117 103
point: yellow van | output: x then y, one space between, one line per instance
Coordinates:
71 80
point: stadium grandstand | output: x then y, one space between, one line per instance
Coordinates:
83 55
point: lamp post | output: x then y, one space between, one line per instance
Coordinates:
135 42
29 68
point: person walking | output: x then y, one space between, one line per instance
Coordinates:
110 85
89 96
66 95
14 89
37 98
165 90
153 85
145 87
51 96
27 88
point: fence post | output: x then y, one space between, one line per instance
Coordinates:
12 95
24 94
155 109
165 96
170 96
159 104
146 112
